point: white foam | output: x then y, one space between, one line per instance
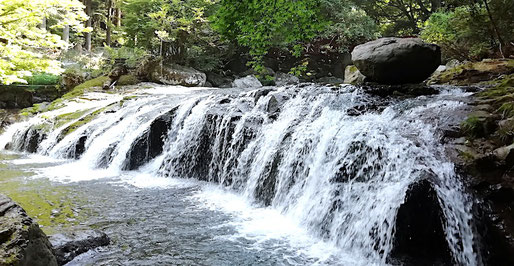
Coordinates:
269 228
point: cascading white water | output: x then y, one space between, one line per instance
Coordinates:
305 151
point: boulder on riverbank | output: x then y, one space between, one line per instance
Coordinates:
22 242
397 60
247 82
173 74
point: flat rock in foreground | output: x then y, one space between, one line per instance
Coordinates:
22 242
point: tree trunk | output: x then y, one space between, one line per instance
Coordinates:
495 28
89 23
118 15
66 34
43 24
108 23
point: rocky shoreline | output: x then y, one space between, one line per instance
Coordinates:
22 242
481 147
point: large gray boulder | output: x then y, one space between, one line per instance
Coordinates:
397 60
247 82
173 74
21 240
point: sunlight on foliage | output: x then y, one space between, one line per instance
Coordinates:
25 46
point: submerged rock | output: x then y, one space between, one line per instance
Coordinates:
22 242
247 82
69 246
397 60
173 74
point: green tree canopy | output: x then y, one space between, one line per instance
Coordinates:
25 45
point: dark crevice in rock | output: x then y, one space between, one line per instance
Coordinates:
419 235
151 143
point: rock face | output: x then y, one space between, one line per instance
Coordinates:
172 74
420 237
282 79
352 75
69 246
21 240
15 97
246 82
397 60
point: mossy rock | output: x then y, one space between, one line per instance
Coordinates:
126 80
475 72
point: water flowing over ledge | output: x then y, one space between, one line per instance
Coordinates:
344 165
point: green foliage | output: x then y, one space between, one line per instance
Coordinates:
348 24
260 25
507 109
43 79
24 46
466 32
132 56
399 17
178 30
473 127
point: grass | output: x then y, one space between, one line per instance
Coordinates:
78 91
473 127
79 123
43 79
507 109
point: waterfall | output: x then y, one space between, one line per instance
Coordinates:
336 159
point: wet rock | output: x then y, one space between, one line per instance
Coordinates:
352 75
12 97
330 80
150 144
282 79
218 80
275 102
114 76
397 60
71 79
496 222
410 90
8 117
22 242
419 236
505 155
257 94
246 82
70 245
173 74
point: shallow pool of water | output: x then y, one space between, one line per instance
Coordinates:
154 220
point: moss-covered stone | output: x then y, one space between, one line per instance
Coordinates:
82 121
475 72
126 80
53 207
